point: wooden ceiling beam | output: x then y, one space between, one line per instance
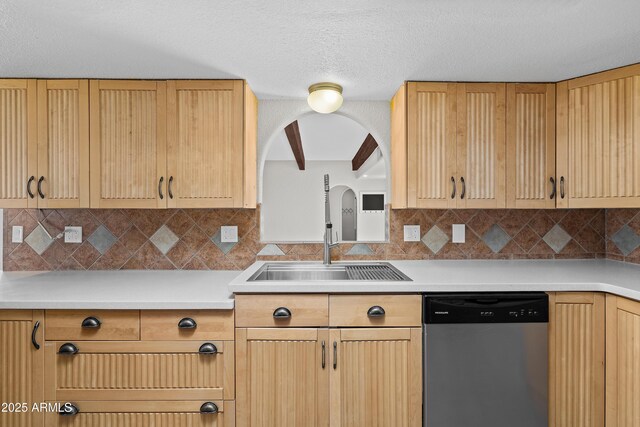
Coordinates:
293 135
366 149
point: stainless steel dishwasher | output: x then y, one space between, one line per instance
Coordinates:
485 359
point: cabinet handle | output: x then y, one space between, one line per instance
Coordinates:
323 355
68 409
208 348
40 187
91 323
453 188
552 180
187 323
281 313
29 192
68 349
209 408
33 335
464 187
376 311
160 187
335 355
562 187
169 189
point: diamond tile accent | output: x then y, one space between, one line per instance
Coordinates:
102 239
271 250
557 238
435 239
360 249
164 239
224 247
496 238
626 239
38 240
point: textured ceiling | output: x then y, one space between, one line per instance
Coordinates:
280 47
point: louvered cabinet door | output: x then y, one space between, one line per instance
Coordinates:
63 144
128 144
376 377
282 377
576 359
623 362
599 139
431 145
531 146
21 367
481 145
18 143
205 144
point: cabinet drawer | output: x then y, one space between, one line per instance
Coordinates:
138 370
282 310
375 310
99 325
144 414
187 325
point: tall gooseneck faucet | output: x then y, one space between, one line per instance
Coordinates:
328 227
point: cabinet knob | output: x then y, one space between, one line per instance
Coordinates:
187 323
29 191
208 348
160 188
552 180
562 187
282 313
209 408
68 349
170 187
464 187
91 323
40 192
453 188
376 311
68 409
33 335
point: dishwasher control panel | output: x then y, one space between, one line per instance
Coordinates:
527 307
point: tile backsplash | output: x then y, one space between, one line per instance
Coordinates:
190 238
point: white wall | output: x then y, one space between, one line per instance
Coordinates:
293 201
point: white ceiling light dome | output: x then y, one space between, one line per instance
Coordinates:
325 97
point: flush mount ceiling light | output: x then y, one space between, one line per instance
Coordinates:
325 97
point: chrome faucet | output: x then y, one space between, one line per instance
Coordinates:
328 227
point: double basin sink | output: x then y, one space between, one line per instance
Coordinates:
376 271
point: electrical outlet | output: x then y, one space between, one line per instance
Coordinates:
17 234
458 233
229 234
73 234
411 233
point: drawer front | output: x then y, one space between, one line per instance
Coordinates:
123 371
145 414
282 310
187 325
375 310
98 325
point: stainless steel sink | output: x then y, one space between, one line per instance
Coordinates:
311 272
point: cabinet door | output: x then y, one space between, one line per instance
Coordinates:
205 143
576 359
623 362
531 146
21 366
18 143
63 143
282 377
599 139
128 146
376 377
481 145
431 145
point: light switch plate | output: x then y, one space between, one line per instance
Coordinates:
229 234
458 233
411 233
17 234
73 234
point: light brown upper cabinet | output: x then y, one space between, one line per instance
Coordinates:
599 140
208 134
531 146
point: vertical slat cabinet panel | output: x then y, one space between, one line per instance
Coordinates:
205 144
399 148
481 145
128 144
18 143
21 366
282 377
431 145
623 362
576 359
63 143
376 377
531 146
